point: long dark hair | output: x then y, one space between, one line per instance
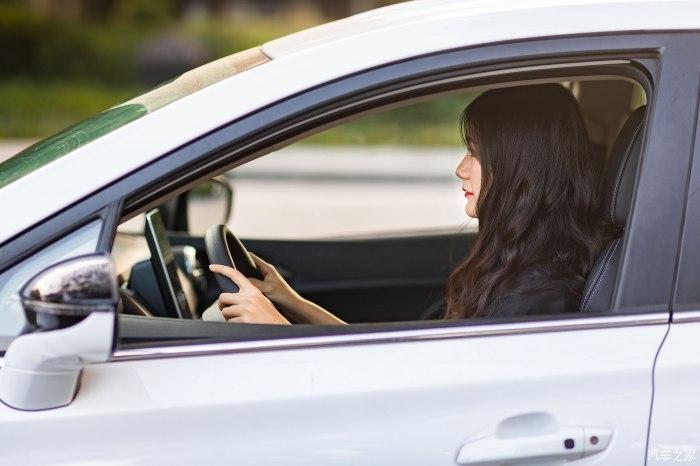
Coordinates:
538 207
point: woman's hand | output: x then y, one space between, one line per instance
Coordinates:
274 287
255 303
278 291
249 305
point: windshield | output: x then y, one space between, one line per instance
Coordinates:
66 141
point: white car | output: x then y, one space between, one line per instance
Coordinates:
106 362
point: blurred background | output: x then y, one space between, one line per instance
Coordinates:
63 61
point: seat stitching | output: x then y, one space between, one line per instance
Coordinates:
584 302
622 169
605 268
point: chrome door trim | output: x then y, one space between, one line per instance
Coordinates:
518 328
685 316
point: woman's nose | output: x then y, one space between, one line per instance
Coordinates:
461 170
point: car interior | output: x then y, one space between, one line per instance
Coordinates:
162 264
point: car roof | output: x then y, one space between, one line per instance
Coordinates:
309 58
580 15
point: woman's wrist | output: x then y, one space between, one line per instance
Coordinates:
298 308
308 312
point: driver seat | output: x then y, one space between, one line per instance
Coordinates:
618 186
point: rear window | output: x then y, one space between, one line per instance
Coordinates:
66 141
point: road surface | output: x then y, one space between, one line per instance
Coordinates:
321 191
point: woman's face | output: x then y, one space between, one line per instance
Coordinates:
469 171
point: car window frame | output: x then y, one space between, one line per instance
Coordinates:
242 139
83 240
686 297
626 297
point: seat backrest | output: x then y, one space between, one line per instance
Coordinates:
618 186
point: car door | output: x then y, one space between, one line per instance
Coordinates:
503 392
673 432
466 392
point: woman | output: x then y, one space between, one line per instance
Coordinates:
529 178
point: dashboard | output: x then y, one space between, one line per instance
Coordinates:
139 287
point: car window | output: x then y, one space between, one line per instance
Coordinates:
384 174
388 173
66 141
81 241
380 189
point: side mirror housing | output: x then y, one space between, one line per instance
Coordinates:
209 204
194 211
71 313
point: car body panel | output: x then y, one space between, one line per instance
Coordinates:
409 27
450 26
349 399
404 402
674 431
674 434
249 137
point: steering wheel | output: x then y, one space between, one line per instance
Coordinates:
224 248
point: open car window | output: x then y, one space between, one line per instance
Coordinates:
365 219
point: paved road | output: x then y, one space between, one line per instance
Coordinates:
315 192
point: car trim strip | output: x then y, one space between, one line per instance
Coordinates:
505 71
518 328
685 316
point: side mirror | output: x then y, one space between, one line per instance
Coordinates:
194 211
71 313
209 204
67 292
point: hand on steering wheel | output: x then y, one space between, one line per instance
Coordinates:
276 288
233 266
239 276
225 249
248 305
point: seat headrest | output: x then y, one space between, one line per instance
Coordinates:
621 168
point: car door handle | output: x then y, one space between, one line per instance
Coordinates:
567 444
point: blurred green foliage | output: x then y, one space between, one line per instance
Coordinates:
435 122
58 71
37 108
105 51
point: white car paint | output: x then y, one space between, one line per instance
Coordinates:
341 48
41 371
412 403
675 432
